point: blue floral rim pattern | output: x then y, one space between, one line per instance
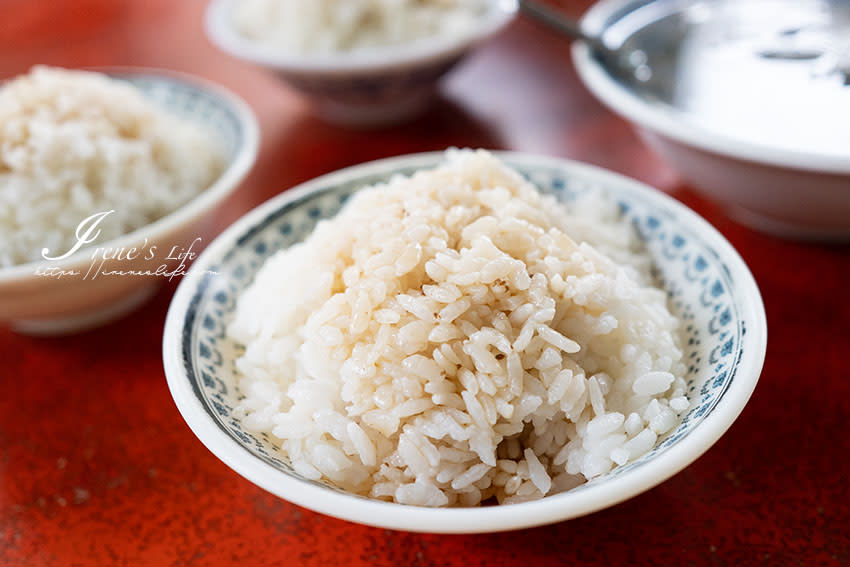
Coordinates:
188 100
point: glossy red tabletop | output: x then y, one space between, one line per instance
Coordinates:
97 468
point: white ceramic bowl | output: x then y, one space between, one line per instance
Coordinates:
784 192
710 288
364 87
48 304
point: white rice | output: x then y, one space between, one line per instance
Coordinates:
328 26
454 337
76 143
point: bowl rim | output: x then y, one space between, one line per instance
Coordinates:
220 32
226 183
466 520
669 122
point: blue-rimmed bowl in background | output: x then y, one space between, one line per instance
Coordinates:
65 296
709 287
365 87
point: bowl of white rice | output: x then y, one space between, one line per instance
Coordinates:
107 182
464 342
361 62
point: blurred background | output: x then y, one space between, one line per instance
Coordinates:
483 103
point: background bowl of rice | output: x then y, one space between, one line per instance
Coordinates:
709 288
363 87
58 301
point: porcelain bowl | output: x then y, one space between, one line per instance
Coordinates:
709 286
368 87
72 294
788 193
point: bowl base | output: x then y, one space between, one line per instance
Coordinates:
787 230
58 326
373 115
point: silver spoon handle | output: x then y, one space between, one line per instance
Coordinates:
559 22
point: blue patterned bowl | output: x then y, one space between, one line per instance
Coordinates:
709 288
49 305
367 87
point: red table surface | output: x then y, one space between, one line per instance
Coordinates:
98 468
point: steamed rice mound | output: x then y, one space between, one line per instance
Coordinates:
333 26
75 143
455 336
